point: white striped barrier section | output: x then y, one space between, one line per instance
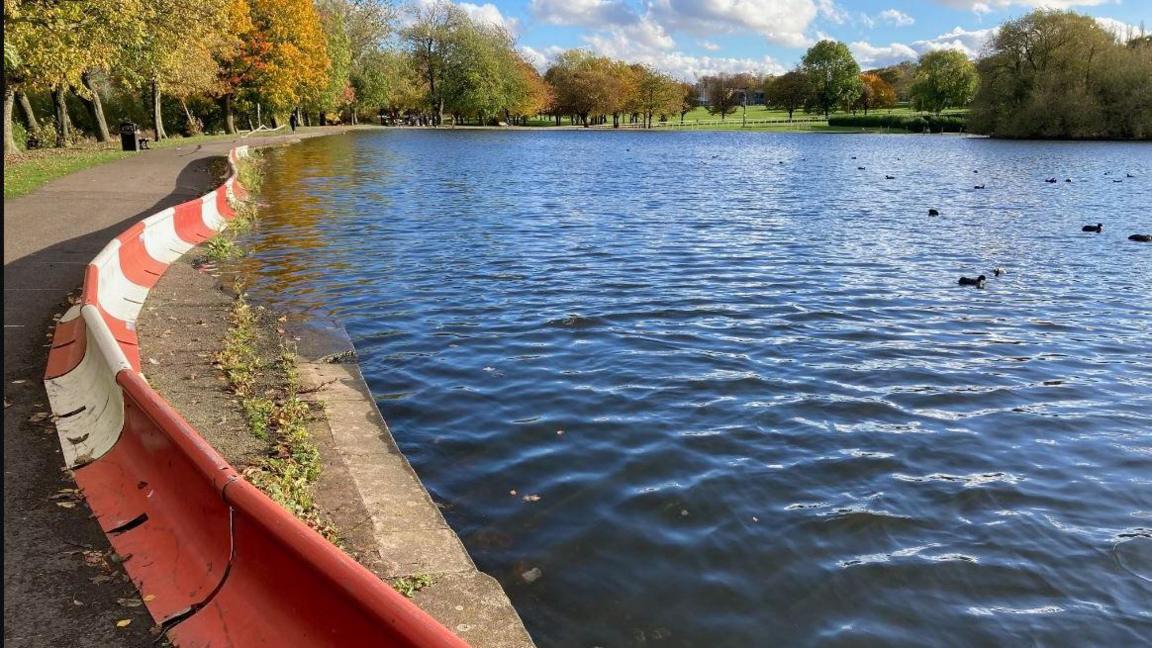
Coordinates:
216 561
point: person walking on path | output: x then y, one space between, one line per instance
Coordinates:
293 120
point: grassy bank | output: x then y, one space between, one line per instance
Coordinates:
27 171
259 365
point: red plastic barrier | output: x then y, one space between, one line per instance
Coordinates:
189 220
124 333
238 189
137 265
222 204
69 342
290 587
158 496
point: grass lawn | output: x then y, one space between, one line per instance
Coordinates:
26 171
701 119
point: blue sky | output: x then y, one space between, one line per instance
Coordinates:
688 38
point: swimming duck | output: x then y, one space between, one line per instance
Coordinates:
1050 180
980 186
1067 179
1098 227
999 271
933 212
1141 238
968 281
1129 175
859 168
888 177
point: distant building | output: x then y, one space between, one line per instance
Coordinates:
755 95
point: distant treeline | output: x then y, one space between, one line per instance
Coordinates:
1056 74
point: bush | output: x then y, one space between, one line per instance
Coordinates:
918 124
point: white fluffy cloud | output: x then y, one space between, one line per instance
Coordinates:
489 13
1120 29
869 55
781 22
628 41
986 6
898 18
968 41
962 40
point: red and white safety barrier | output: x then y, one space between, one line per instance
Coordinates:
216 561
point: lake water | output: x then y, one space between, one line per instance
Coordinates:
739 375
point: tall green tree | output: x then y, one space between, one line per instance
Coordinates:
944 79
429 39
833 74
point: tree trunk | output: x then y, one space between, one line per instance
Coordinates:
323 118
440 112
157 116
29 116
9 103
229 118
275 121
62 121
96 107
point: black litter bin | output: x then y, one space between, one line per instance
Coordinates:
129 136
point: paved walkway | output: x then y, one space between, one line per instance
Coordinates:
52 596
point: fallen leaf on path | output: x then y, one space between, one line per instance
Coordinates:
149 597
531 498
67 505
130 602
123 623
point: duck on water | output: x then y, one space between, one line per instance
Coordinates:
1098 227
968 281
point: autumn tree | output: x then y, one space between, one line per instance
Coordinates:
689 99
723 92
874 93
789 91
536 97
655 94
900 77
579 80
833 75
944 79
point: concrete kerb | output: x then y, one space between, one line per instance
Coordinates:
412 537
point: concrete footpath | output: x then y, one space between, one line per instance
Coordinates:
61 585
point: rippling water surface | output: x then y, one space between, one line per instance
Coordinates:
740 377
